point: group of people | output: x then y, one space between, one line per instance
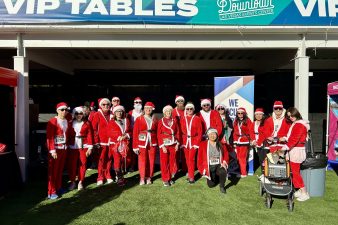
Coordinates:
121 140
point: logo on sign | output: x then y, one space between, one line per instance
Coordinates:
236 9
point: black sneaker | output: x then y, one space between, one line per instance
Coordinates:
171 182
191 181
222 189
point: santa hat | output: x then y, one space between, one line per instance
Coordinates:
61 105
179 97
101 100
241 109
118 107
189 105
167 107
78 109
220 105
211 130
150 104
278 104
137 99
115 98
205 101
259 111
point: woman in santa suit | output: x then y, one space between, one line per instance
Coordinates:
119 132
213 160
296 139
242 126
191 128
168 136
100 123
57 133
80 148
145 143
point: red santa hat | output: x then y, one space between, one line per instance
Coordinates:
138 99
241 109
61 105
179 97
92 104
259 111
78 109
205 101
278 104
117 108
189 105
115 98
150 104
101 100
167 107
220 105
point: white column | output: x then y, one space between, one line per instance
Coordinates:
22 114
302 81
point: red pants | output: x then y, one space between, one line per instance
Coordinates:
146 161
190 155
168 163
119 161
55 170
242 156
105 161
297 179
74 166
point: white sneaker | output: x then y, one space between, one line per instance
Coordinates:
109 181
149 181
244 176
297 194
99 183
80 186
142 182
303 197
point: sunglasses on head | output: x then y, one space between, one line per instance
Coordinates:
78 113
278 108
188 109
220 108
62 110
138 102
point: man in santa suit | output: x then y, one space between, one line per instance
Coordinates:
210 117
100 123
115 101
58 132
277 127
191 128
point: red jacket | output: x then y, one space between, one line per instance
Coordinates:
258 133
203 158
57 138
275 130
167 135
142 134
115 130
84 138
177 114
297 134
215 121
191 133
100 124
242 132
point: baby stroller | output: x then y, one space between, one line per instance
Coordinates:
276 180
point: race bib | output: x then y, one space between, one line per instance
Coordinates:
167 141
60 139
214 161
142 137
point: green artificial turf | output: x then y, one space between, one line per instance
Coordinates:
181 203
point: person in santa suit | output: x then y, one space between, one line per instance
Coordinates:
213 160
242 126
209 117
57 133
227 124
119 133
80 148
296 139
258 135
191 128
115 101
168 141
177 114
100 123
145 143
277 127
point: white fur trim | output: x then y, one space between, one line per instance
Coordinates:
104 99
118 107
167 107
205 102
52 151
189 105
179 98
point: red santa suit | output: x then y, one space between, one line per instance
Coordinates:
178 114
100 123
168 136
191 128
145 142
211 119
82 140
58 138
132 116
242 142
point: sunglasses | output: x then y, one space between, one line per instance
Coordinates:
78 113
278 109
240 113
138 102
118 111
205 105
116 100
220 109
179 101
62 110
188 109
105 104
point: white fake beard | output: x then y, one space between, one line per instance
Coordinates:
138 107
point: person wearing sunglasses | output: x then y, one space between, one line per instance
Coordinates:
227 124
119 133
100 123
277 127
115 101
80 148
191 128
242 125
296 140
57 134
210 118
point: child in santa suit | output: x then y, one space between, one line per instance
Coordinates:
213 160
168 136
119 132
81 147
242 126
145 143
57 133
191 128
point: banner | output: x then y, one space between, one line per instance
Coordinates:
198 12
236 92
333 121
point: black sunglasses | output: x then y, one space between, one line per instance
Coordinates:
105 104
220 108
278 108
240 113
62 110
138 102
77 113
189 109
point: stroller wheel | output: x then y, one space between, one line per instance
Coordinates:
290 203
268 201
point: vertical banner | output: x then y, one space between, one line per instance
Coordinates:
236 92
332 153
